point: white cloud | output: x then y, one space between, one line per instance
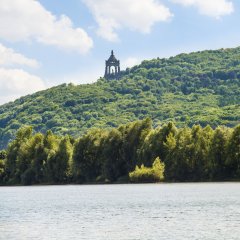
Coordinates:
24 20
9 57
212 8
130 62
138 15
15 83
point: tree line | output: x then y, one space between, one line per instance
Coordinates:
135 152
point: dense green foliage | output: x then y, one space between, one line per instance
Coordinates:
133 150
148 174
198 88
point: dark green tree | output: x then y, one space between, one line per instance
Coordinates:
218 154
87 160
115 164
233 161
12 171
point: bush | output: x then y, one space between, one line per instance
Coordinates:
146 174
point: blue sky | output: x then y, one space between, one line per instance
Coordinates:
45 43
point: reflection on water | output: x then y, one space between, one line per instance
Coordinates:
122 212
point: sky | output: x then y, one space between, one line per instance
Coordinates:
44 43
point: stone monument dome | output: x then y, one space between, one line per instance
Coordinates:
112 68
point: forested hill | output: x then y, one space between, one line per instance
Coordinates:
201 87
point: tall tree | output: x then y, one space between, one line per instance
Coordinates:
115 164
87 160
218 154
233 161
22 136
133 138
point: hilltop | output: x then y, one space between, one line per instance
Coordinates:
197 88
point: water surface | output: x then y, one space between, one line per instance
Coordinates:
121 212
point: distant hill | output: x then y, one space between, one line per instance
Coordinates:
196 88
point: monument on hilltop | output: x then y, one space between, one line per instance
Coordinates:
112 69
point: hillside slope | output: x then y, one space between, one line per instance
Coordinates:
201 87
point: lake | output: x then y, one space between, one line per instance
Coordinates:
121 212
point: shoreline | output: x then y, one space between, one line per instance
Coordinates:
121 183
